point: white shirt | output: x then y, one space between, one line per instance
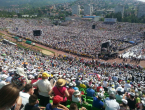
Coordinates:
44 87
2 83
126 86
25 97
105 84
111 105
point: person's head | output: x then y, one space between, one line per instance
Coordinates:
100 96
4 77
45 75
8 95
73 106
56 100
36 77
119 92
132 95
70 85
33 99
124 102
20 71
111 96
29 89
77 93
60 82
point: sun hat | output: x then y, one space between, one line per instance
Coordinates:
124 101
45 75
71 84
61 82
20 71
57 99
3 77
77 92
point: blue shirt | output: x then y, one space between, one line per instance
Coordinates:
49 107
90 92
97 103
9 79
75 88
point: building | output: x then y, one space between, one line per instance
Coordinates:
93 18
76 10
88 9
119 8
141 10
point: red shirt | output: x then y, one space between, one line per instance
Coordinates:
70 91
98 88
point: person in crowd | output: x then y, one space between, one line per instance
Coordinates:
10 77
90 91
130 99
9 95
119 95
127 85
73 106
20 79
28 90
97 101
56 104
105 85
70 91
61 90
3 80
111 103
124 105
32 102
44 87
76 97
99 87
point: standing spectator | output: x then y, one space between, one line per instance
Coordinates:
124 105
20 78
127 85
61 90
44 87
99 87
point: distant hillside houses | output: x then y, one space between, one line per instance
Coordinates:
29 16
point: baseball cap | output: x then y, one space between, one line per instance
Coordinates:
100 95
57 99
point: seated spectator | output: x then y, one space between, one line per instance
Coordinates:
28 90
76 97
111 104
60 90
90 91
44 87
97 101
74 86
119 95
3 80
10 77
32 102
56 104
70 91
74 106
99 87
9 96
124 105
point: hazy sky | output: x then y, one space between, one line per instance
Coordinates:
142 0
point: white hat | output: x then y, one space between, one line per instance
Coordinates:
124 101
100 95
20 71
143 102
70 84
3 77
132 94
77 92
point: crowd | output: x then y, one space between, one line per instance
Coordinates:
32 81
76 37
135 53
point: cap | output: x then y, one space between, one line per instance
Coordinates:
70 84
77 92
57 99
100 95
132 94
124 101
45 75
4 76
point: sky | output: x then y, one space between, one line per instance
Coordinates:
142 0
